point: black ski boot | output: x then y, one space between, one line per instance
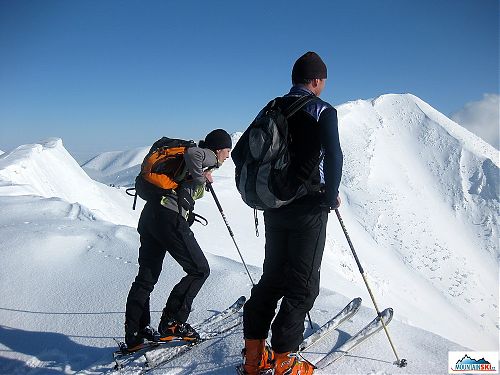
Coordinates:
133 341
171 329
149 333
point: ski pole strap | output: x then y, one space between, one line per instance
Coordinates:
310 320
127 191
256 221
135 201
200 219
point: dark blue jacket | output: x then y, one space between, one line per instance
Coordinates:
315 144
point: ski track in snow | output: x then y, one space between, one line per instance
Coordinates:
420 201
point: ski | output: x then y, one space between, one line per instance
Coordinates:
121 356
164 356
369 330
346 313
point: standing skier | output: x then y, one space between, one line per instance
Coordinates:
295 233
163 227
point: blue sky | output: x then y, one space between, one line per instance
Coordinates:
114 75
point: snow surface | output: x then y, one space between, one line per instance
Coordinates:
420 202
116 167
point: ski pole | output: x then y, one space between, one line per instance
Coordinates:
212 191
209 184
399 362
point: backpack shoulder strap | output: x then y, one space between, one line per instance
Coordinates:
298 104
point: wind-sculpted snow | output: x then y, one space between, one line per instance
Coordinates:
421 198
420 201
426 191
48 170
117 168
485 181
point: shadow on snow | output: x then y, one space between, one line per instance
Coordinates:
52 352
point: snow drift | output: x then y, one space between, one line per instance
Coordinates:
117 168
420 201
48 170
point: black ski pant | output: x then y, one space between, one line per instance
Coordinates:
295 240
162 230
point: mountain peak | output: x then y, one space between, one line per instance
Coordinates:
405 111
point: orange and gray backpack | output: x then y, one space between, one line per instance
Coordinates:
163 169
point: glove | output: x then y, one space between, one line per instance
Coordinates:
327 206
185 200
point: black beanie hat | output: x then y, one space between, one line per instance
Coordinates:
308 66
217 140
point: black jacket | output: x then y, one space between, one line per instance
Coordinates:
314 135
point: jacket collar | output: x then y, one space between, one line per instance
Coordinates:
299 90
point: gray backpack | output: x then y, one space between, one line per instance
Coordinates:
263 167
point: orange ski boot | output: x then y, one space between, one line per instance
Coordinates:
258 358
291 363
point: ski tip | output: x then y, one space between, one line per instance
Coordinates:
387 315
241 300
357 301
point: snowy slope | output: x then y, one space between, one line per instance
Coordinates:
117 168
48 170
419 201
424 194
63 284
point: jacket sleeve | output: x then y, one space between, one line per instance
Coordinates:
197 159
333 158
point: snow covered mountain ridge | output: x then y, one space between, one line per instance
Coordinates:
48 170
427 189
420 201
423 192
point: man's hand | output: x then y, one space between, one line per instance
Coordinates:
337 204
208 176
328 207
